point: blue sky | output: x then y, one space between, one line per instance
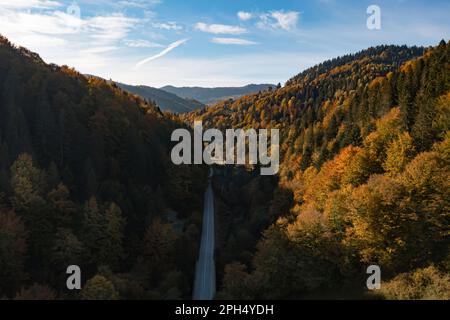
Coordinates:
212 43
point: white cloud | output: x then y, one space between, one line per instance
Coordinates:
42 41
219 28
109 28
286 20
99 49
279 20
86 43
27 4
138 3
142 44
244 16
235 41
16 24
168 26
162 53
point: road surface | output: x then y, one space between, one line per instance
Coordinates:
205 269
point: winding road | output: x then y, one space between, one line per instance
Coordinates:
205 269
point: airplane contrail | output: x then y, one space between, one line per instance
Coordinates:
171 46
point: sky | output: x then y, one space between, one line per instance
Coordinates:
212 43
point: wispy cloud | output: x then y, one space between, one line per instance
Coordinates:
167 26
99 49
26 4
138 3
244 16
219 28
161 54
235 41
113 27
18 24
279 20
140 43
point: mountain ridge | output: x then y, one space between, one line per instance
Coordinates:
167 101
215 94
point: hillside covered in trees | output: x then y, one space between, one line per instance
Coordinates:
86 179
364 179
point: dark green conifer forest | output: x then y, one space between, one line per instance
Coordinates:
86 179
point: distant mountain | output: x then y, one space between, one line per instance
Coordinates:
165 100
213 95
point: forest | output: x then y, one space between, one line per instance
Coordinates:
86 177
364 179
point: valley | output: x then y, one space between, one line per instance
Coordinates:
87 179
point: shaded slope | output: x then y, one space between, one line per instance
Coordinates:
165 100
86 178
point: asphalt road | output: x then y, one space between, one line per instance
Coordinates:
205 270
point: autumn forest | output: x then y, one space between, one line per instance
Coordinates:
86 179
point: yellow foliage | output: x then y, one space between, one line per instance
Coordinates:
376 214
399 153
388 128
376 82
330 177
441 121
